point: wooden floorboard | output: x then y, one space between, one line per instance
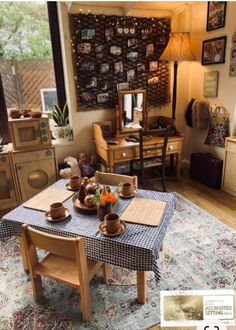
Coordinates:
214 201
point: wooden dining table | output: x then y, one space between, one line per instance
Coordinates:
137 248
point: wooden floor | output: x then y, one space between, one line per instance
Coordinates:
214 201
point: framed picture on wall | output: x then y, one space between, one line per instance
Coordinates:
210 87
216 12
213 51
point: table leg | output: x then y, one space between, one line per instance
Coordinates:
106 272
23 254
141 287
177 167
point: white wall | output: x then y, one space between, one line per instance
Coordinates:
227 85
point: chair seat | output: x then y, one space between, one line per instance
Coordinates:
51 266
149 162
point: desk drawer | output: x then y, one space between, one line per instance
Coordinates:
123 154
173 147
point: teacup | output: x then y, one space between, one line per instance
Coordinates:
75 181
127 189
57 210
112 222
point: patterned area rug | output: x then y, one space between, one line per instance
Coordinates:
199 253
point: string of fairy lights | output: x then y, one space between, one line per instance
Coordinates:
124 26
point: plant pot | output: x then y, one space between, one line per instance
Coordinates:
62 133
103 210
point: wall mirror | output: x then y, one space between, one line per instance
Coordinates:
132 111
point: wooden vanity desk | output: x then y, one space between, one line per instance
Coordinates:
125 151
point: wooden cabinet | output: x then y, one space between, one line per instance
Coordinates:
35 170
229 177
8 192
30 133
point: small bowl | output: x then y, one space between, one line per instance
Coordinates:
35 114
26 113
15 114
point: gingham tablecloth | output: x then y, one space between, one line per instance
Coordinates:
136 248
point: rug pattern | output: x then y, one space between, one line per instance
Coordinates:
199 253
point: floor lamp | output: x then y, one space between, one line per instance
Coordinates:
178 49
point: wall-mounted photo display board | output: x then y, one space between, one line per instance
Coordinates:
111 53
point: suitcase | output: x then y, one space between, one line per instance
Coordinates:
206 168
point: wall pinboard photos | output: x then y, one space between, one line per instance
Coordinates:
118 52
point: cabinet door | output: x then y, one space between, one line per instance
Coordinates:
35 176
7 188
26 134
229 178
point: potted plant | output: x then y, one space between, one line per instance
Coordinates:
61 131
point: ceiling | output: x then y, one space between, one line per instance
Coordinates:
171 6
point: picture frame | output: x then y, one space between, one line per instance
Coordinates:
118 67
232 70
149 50
84 48
216 13
233 54
210 86
104 68
213 51
102 98
153 66
48 98
87 34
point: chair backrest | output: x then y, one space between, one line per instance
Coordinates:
114 179
61 246
163 132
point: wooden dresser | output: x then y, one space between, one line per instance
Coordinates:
229 177
125 151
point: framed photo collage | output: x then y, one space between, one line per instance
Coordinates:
111 53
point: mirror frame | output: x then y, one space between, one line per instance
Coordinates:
120 128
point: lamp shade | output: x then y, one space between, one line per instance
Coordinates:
178 48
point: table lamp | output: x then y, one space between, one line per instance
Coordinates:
178 49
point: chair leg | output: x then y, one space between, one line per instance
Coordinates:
131 168
106 272
85 301
143 177
163 179
37 287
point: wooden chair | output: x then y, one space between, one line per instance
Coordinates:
114 179
66 262
154 162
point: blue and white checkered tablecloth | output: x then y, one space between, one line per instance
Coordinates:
136 248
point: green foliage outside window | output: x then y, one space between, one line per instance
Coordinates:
24 30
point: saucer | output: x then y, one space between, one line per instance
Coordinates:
103 230
130 196
49 218
70 188
80 207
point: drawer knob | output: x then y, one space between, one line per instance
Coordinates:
123 154
170 147
48 153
